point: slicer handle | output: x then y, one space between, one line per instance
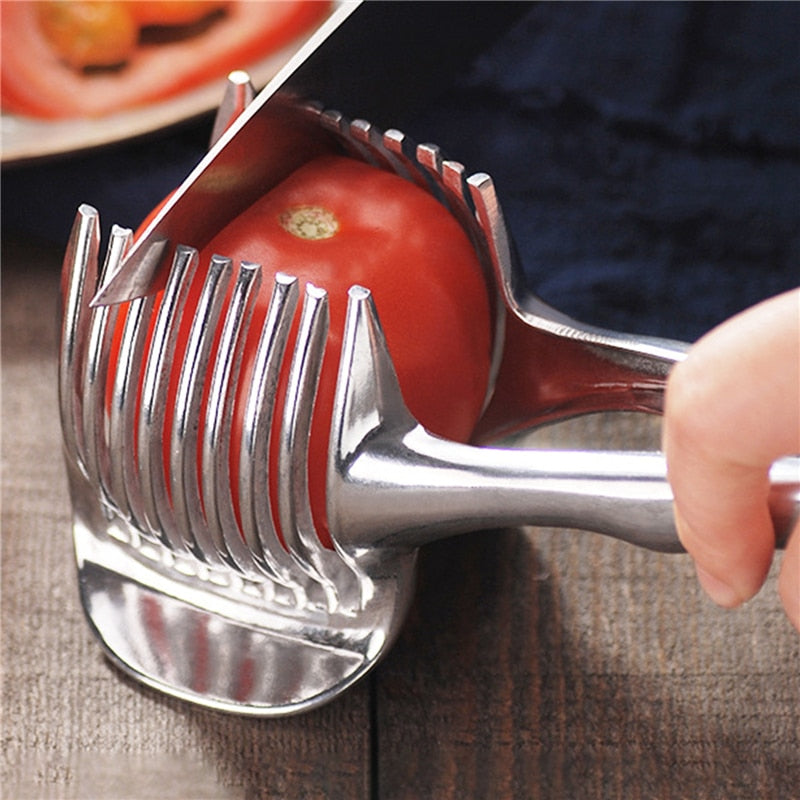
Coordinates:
392 484
427 488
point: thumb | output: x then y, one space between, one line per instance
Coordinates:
732 408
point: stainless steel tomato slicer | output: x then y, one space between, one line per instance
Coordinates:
215 608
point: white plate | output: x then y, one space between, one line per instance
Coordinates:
26 138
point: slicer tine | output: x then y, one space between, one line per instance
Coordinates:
216 473
429 157
294 508
239 93
490 218
95 372
125 486
80 274
184 480
367 388
452 177
258 527
159 515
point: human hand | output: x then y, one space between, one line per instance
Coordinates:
733 408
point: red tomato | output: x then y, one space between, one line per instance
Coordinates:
36 82
336 222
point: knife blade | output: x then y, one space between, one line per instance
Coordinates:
369 59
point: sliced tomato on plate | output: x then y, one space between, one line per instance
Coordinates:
37 81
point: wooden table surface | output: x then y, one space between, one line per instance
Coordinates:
534 663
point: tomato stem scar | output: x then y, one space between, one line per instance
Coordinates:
310 222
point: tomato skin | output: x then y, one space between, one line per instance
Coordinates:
426 280
35 82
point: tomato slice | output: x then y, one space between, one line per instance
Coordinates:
36 82
89 34
171 12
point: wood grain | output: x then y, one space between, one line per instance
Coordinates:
559 664
534 663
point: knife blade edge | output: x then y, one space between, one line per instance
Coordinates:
137 274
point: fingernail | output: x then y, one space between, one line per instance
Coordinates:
723 594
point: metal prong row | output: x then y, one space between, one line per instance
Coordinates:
424 165
182 496
464 197
258 518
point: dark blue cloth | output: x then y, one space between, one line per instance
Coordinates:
647 157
